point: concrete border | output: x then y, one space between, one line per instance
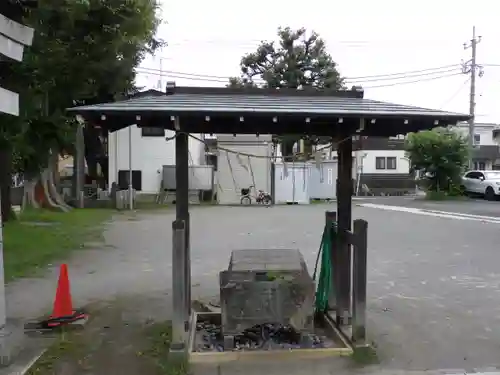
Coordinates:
223 357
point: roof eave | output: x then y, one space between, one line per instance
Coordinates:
126 112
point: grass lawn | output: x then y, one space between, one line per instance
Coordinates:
40 236
114 341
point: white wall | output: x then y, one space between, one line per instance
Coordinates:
485 132
235 172
149 154
368 161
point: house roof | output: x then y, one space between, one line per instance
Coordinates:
221 110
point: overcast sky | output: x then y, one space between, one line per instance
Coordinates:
365 38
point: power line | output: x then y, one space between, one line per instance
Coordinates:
415 81
454 95
351 43
456 70
378 77
422 79
407 72
395 80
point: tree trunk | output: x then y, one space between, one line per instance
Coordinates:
29 196
52 190
93 151
6 183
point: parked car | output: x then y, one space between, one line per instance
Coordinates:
486 183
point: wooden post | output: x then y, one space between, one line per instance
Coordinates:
330 219
344 215
182 202
180 315
79 170
359 282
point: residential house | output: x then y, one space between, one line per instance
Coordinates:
486 152
146 150
382 165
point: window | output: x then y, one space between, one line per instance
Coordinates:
479 165
382 162
472 175
379 162
123 178
152 132
477 139
391 163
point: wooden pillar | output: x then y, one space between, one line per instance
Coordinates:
79 166
180 316
359 282
330 220
344 217
182 205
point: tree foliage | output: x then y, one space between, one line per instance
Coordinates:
297 60
440 155
83 52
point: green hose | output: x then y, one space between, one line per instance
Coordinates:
324 281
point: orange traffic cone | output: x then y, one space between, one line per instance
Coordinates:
63 312
63 306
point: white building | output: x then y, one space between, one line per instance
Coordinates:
486 153
236 170
384 162
151 149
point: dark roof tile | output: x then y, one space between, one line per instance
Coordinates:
179 103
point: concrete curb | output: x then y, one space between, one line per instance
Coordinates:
24 363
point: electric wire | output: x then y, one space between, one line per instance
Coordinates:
253 43
455 94
374 78
388 75
411 82
396 83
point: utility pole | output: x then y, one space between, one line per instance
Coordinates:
471 67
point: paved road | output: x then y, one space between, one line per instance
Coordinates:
434 296
477 206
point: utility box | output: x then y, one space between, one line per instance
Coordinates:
266 286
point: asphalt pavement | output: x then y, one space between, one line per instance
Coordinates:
471 206
433 282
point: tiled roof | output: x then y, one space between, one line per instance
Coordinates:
180 103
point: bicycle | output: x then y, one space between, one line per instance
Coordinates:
261 196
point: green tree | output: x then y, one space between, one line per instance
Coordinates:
440 155
84 51
299 59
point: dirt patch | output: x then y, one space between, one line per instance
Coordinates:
116 340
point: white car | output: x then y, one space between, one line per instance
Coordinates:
486 183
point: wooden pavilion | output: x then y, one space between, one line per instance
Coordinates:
336 114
